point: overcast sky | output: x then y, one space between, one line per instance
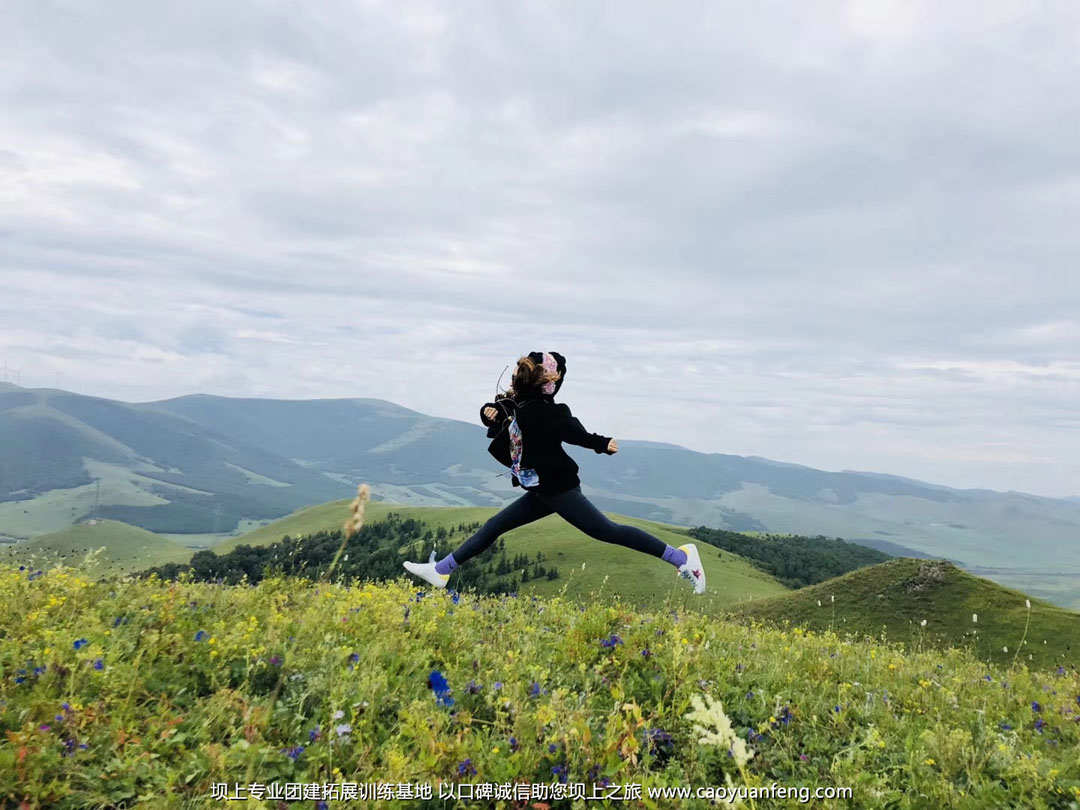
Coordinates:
837 234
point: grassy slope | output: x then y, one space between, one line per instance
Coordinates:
904 731
631 575
125 547
894 597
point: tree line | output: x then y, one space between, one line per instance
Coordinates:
374 553
794 560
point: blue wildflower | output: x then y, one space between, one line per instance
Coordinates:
561 772
514 744
535 689
99 665
646 654
294 752
315 733
201 635
1039 724
455 597
1004 726
1035 706
552 748
41 670
438 684
474 688
465 767
80 643
498 685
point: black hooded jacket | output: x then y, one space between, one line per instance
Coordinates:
544 425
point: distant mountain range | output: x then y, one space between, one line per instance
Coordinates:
212 465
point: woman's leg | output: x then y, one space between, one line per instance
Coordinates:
579 512
524 510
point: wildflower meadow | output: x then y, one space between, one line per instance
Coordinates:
145 693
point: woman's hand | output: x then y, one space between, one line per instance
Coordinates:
491 413
613 446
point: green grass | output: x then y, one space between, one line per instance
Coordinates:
124 548
893 599
157 712
323 517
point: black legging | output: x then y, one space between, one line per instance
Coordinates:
574 508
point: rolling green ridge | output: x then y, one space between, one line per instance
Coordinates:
894 597
67 457
124 548
205 465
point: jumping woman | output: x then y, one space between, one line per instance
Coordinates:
527 428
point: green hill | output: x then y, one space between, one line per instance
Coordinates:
124 548
330 516
631 575
893 599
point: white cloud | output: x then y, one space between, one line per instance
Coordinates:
840 234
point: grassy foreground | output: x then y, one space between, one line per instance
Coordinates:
145 693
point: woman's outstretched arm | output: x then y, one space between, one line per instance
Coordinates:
572 431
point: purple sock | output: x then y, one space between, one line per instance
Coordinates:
675 556
446 564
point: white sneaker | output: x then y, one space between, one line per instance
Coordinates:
692 570
427 572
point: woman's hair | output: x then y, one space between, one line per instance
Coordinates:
529 379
